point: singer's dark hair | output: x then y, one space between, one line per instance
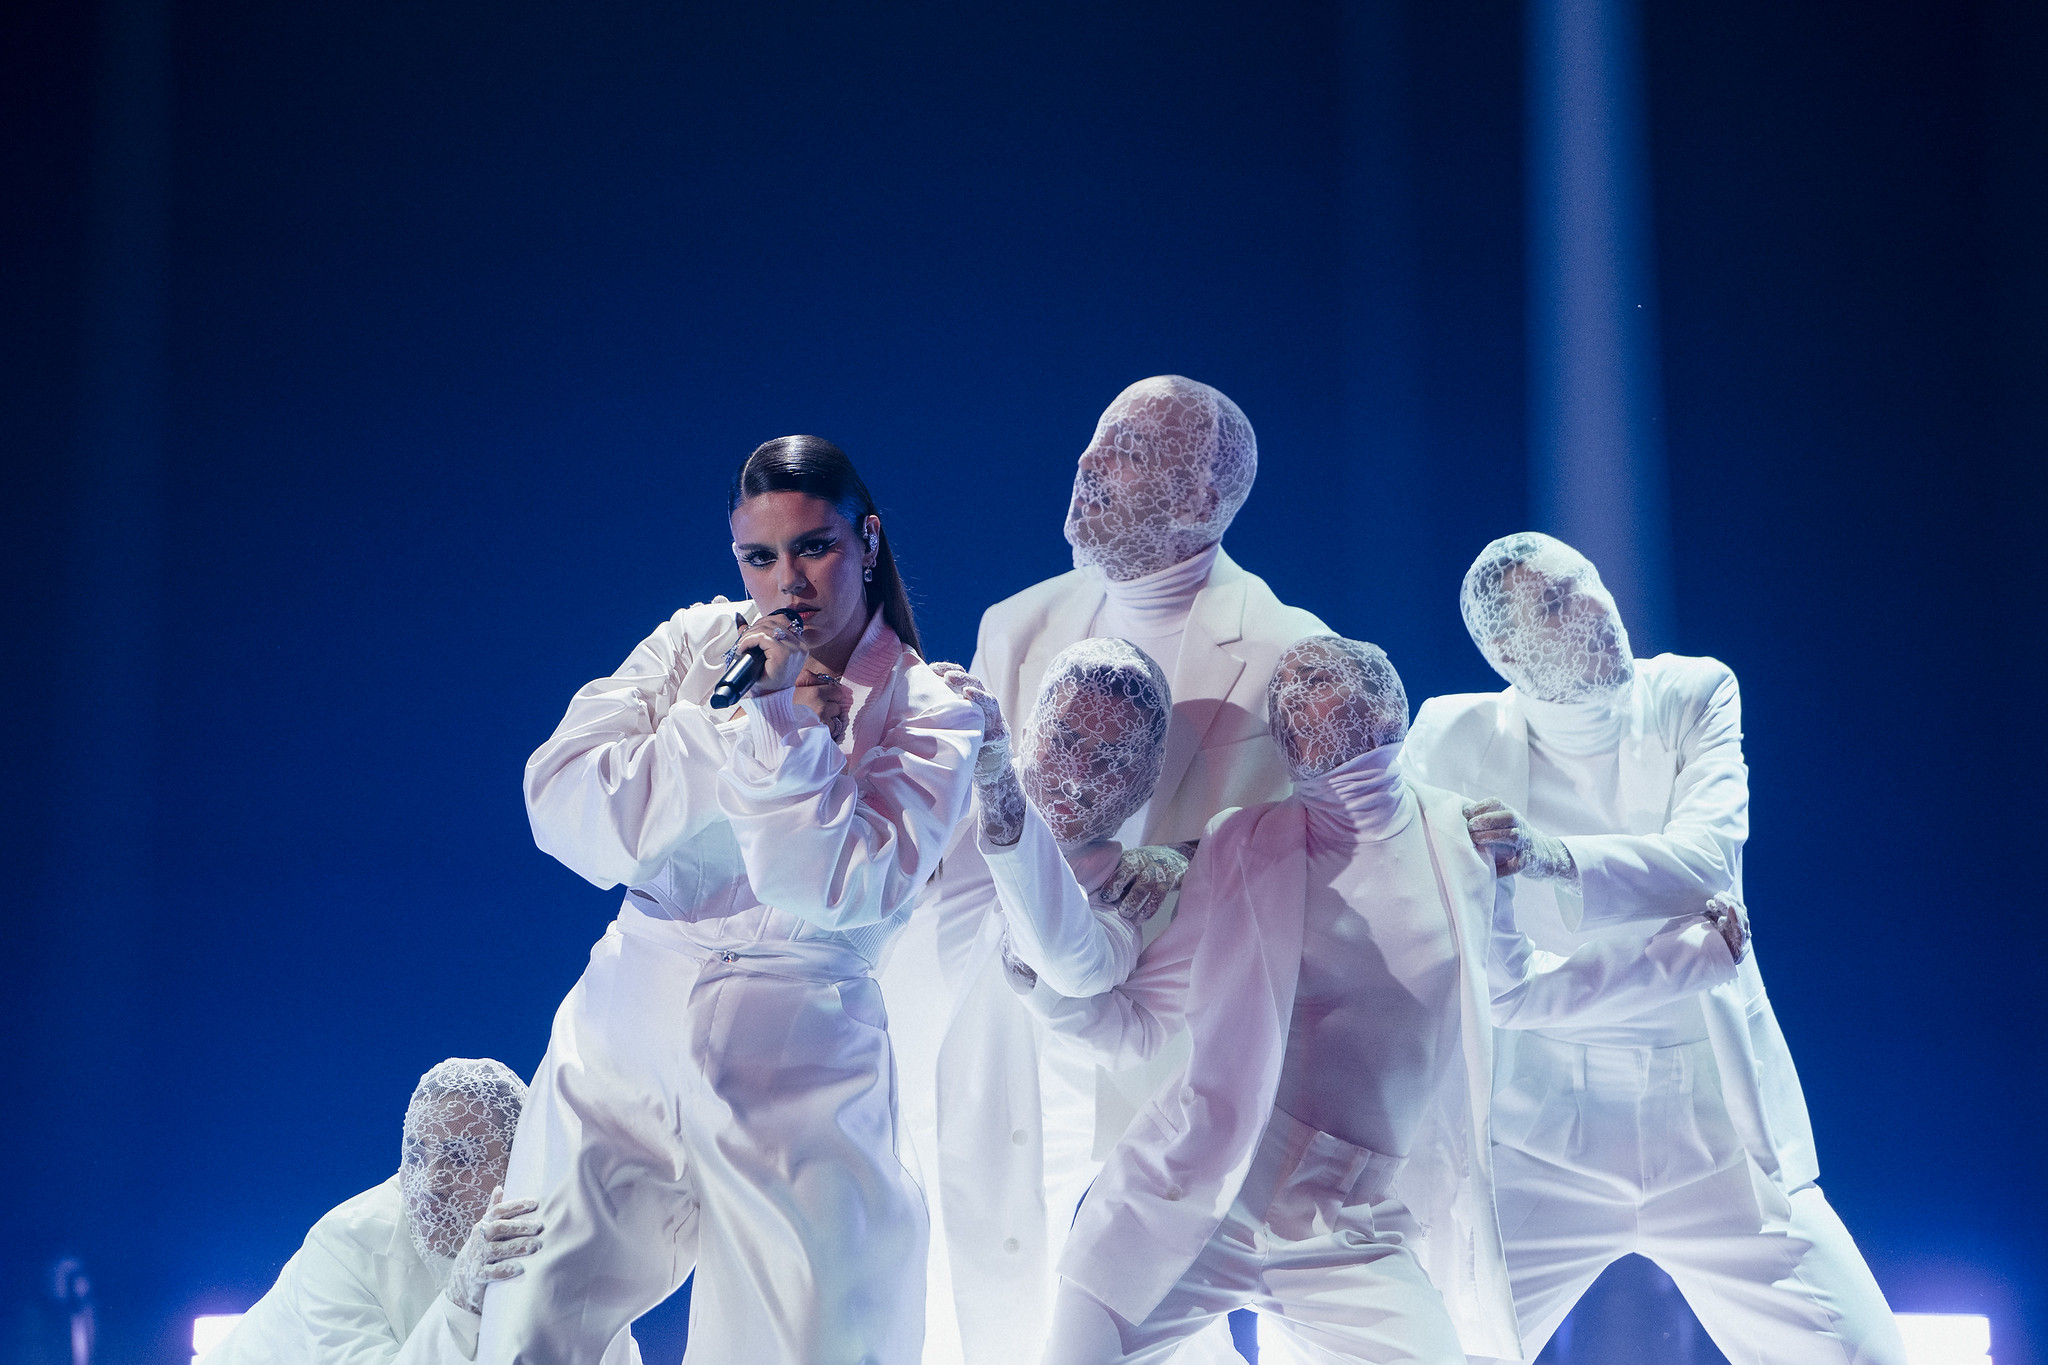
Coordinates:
813 465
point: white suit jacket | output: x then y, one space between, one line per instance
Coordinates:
960 1030
1217 751
1684 792
1229 966
357 1293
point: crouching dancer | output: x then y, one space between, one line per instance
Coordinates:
396 1275
1337 960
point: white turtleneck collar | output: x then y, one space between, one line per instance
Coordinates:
1362 800
1577 729
1156 604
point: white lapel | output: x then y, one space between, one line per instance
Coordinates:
1649 769
1506 760
1067 622
1203 677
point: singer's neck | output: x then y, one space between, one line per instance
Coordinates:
834 656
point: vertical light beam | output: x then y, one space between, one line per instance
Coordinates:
1596 448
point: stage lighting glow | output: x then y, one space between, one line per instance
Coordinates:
210 1329
1946 1338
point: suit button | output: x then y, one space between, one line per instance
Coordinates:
1174 1191
1018 1137
1011 1244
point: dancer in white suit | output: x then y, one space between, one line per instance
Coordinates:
1007 1137
1615 789
721 1076
396 1275
1322 1155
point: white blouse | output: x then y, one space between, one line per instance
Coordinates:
751 825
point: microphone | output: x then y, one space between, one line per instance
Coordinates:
743 672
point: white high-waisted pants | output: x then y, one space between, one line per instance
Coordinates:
1314 1243
1603 1151
737 1111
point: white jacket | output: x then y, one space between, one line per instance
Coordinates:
1684 792
357 1293
1229 966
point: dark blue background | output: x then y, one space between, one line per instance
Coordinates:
470 309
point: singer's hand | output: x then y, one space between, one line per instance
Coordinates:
829 698
780 641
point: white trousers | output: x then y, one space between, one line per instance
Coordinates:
1603 1151
1314 1243
738 1112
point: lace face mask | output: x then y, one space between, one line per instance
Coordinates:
1539 613
458 1141
1171 462
1090 753
1332 699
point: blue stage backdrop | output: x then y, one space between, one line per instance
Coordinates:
373 373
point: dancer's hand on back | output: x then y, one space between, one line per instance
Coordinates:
493 1250
1731 917
1143 879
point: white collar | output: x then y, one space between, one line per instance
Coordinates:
1157 603
1577 729
1363 800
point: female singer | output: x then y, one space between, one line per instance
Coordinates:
718 1085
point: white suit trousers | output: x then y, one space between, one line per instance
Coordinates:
738 1111
1315 1244
1603 1151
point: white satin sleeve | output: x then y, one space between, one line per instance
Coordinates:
842 848
1078 949
1697 855
1606 981
631 773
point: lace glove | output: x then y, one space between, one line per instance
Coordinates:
1017 966
1731 919
1143 879
1516 846
493 1250
998 794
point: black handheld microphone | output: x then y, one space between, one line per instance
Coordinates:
745 671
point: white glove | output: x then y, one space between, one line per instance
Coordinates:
1729 916
491 1253
1515 845
1143 879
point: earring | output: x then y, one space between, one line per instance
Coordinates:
867 575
